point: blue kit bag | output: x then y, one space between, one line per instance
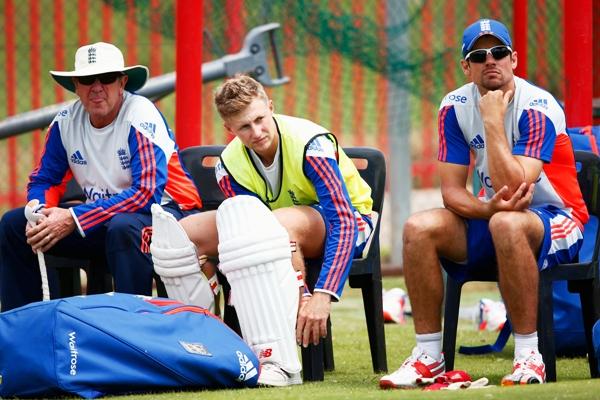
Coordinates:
118 343
596 340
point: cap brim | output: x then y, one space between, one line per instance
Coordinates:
137 77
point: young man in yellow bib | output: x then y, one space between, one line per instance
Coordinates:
291 193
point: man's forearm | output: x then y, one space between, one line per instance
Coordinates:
504 168
464 203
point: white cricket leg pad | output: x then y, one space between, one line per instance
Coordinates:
254 255
175 261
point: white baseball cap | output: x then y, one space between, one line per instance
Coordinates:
100 58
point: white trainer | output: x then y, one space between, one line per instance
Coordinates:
418 368
528 368
273 375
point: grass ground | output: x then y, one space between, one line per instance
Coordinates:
353 377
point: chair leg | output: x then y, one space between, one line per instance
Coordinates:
69 281
546 327
231 320
161 290
318 358
328 362
313 362
315 357
451 308
229 314
586 294
99 280
373 305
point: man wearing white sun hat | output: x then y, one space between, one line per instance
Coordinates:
120 150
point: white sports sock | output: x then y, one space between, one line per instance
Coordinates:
529 341
430 343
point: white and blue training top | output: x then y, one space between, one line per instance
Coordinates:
535 127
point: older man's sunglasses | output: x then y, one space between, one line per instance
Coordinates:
105 79
480 55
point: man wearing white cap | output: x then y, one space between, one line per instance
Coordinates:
120 150
529 215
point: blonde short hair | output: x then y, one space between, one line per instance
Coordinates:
236 93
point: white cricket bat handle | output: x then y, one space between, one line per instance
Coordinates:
33 217
44 276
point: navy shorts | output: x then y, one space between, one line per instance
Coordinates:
561 243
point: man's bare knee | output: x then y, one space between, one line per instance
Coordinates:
513 232
427 225
502 224
436 230
508 224
201 229
417 225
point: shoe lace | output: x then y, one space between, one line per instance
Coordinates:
413 358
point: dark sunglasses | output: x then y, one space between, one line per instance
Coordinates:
105 79
480 55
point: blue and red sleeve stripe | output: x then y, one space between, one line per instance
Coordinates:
453 147
341 224
443 146
226 186
231 188
537 135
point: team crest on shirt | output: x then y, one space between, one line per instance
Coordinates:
123 158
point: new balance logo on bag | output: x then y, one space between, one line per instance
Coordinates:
247 368
477 142
77 158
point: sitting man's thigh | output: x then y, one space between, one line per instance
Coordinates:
201 229
306 226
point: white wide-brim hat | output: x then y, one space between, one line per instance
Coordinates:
100 58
